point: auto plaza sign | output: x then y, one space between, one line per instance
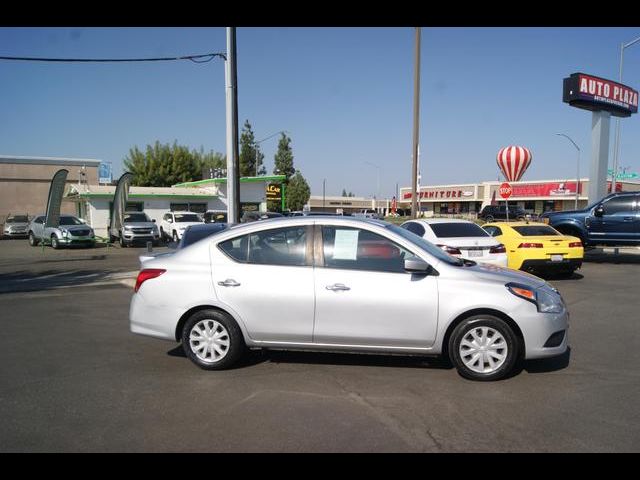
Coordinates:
594 93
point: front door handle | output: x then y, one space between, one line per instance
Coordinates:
336 287
628 219
229 282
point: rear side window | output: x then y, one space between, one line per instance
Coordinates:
493 231
278 246
236 248
457 229
414 227
535 230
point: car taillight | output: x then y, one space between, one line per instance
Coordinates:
498 249
575 244
530 245
147 274
450 250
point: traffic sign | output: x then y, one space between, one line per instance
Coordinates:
505 190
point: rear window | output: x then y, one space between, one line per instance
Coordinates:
535 230
457 229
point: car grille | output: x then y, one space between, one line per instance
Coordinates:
80 233
144 231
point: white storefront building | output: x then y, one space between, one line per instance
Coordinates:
94 203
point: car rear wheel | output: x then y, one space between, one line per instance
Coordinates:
484 348
212 340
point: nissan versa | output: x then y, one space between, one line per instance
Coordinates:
342 284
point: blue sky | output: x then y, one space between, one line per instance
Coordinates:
344 94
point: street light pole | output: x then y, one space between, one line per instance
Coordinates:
416 126
260 141
617 141
324 180
577 168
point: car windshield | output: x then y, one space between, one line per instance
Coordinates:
535 230
70 221
18 219
135 217
186 217
192 235
457 229
425 245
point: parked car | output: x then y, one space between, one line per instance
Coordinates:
174 224
16 226
460 238
341 284
255 216
191 235
70 231
137 227
215 216
537 247
614 220
499 212
367 213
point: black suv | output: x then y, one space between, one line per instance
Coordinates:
499 212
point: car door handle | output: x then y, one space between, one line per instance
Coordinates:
336 287
229 282
628 219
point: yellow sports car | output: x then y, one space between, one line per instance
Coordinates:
537 247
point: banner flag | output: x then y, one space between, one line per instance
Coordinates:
56 190
120 199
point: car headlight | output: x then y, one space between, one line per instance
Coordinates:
127 228
64 232
546 298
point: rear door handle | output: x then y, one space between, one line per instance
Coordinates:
628 219
336 287
229 282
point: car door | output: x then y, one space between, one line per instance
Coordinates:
365 298
619 221
266 277
38 227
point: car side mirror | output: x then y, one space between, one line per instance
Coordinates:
169 220
82 220
417 266
153 220
599 211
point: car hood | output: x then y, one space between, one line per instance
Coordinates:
17 224
73 228
493 273
139 224
186 224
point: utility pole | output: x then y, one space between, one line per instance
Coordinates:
416 126
233 160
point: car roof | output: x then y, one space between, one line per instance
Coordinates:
207 226
183 211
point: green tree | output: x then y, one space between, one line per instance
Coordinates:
163 165
249 153
213 162
298 192
344 193
283 158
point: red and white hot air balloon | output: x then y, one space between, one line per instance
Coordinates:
513 161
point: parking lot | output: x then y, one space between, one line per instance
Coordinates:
75 379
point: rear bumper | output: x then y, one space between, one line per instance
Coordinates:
565 264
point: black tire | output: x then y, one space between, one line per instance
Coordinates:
521 219
174 237
488 218
55 243
496 324
235 350
123 244
162 235
33 241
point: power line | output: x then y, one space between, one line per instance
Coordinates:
193 58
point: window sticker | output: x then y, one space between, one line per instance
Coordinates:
345 246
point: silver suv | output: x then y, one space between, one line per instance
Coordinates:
137 227
70 231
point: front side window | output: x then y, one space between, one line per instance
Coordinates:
357 249
70 221
618 204
39 220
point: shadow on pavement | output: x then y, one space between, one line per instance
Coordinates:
602 257
25 281
546 365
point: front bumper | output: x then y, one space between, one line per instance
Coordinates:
14 234
71 240
541 334
140 238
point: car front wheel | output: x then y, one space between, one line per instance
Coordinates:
33 241
175 237
212 340
55 243
483 347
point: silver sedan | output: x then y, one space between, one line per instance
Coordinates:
342 284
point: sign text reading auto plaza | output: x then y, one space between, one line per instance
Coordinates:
587 91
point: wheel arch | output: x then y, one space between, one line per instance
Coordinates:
185 316
488 311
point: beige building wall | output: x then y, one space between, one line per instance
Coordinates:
24 187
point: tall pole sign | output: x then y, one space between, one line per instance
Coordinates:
233 161
603 98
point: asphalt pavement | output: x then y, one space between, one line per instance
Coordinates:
74 379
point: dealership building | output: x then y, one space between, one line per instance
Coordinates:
533 196
94 203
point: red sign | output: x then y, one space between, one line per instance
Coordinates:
505 190
553 189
